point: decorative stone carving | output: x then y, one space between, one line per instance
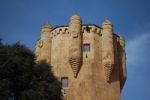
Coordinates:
108 67
75 65
74 33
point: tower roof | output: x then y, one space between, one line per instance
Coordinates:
75 16
46 25
107 22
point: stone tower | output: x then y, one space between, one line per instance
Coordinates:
89 60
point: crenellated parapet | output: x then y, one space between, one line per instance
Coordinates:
85 29
59 30
91 29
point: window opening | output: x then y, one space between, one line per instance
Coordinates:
64 81
86 47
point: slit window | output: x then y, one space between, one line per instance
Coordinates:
86 47
64 82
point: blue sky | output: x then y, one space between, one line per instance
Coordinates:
20 20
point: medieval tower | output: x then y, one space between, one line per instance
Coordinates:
89 60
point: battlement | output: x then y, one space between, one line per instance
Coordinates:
89 28
59 30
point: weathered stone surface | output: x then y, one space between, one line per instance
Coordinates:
92 58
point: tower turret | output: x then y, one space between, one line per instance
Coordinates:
43 45
107 48
75 47
45 30
122 56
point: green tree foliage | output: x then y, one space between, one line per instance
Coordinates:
22 79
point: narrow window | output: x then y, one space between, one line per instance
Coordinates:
86 47
64 81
